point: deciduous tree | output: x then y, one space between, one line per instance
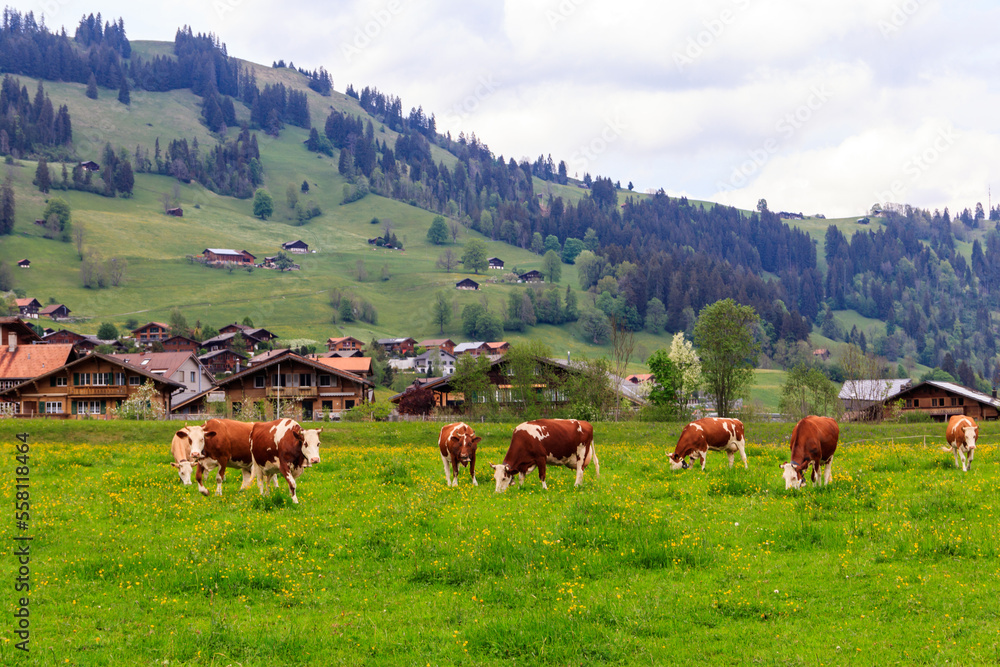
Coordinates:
723 334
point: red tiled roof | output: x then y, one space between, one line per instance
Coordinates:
29 361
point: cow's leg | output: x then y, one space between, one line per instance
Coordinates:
742 446
520 479
970 454
954 450
579 468
704 458
247 479
455 467
290 479
541 472
220 476
472 469
828 477
731 455
597 464
198 476
257 471
447 469
965 459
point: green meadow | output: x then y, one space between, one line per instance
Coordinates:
381 564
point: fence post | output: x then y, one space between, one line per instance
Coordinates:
925 439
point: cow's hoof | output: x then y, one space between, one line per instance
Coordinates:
203 492
474 482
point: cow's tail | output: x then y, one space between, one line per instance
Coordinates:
592 456
947 449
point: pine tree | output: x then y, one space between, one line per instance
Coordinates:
43 179
92 87
7 206
123 93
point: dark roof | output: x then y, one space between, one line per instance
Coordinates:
105 357
215 353
16 323
273 361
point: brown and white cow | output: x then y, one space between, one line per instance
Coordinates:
712 433
457 443
961 435
226 443
180 447
564 442
813 442
282 446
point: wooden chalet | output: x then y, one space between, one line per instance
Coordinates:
24 264
474 349
148 333
228 256
28 308
290 385
942 400
498 347
397 346
259 333
495 263
20 363
467 284
180 344
299 247
16 327
344 343
223 361
56 311
85 388
640 378
82 342
90 165
177 212
226 341
533 276
445 344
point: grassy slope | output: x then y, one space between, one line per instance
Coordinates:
380 563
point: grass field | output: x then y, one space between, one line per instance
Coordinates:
895 562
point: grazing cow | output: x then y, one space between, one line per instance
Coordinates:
181 446
813 441
457 443
961 435
226 443
565 442
711 433
282 446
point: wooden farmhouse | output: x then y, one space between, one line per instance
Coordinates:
474 349
85 388
942 400
84 343
28 307
299 247
22 333
533 276
290 385
24 264
177 212
149 333
397 346
180 344
223 361
467 284
259 333
445 344
344 343
55 312
228 256
495 263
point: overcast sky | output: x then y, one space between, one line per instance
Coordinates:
818 106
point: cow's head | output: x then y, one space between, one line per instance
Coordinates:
971 433
463 444
793 474
678 462
504 475
198 435
310 445
184 470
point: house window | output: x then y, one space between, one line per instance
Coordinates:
916 402
305 379
57 381
278 380
327 405
258 381
134 380
324 381
120 379
53 407
192 377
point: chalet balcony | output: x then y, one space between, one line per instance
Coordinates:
292 392
111 391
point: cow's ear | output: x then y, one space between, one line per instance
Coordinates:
494 466
175 464
209 434
319 430
182 434
476 440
